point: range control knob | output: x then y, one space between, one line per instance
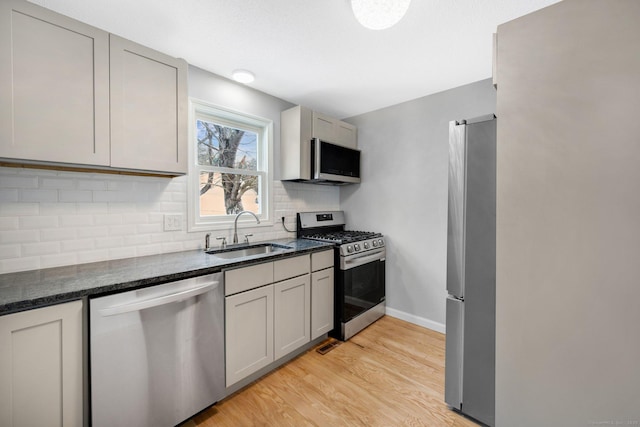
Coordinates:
366 245
374 243
349 248
380 242
356 247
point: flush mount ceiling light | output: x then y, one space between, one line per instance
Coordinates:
379 14
243 76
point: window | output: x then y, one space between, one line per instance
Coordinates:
230 163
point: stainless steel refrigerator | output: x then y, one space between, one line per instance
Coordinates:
471 269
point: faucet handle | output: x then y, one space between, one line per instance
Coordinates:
224 241
206 241
246 237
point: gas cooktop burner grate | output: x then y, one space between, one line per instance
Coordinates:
342 237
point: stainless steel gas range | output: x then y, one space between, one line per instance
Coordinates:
360 270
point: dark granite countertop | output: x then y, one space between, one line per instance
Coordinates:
38 288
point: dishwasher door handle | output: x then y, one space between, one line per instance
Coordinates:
156 301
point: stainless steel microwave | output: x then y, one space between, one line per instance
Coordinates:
334 164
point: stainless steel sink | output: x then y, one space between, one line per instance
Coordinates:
247 251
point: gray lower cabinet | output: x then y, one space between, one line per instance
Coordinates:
41 367
292 315
249 332
322 291
321 302
265 321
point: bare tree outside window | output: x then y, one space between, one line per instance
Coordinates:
233 155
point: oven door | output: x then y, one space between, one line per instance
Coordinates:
360 284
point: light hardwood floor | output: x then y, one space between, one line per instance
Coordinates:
390 374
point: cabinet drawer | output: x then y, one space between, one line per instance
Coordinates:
321 260
243 279
290 267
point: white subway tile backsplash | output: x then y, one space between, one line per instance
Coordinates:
12 181
77 245
57 208
121 186
149 250
50 218
92 208
122 252
58 183
107 219
76 220
8 195
135 218
85 232
137 239
109 242
31 249
9 223
122 207
9 251
122 230
57 260
93 184
57 234
19 209
174 247
150 228
30 222
19 264
19 236
92 256
75 196
39 196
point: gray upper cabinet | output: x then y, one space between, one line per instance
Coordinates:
54 87
333 130
298 125
148 108
73 95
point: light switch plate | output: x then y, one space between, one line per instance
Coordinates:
172 222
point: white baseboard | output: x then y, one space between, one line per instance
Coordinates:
416 320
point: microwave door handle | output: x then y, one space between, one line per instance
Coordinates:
157 301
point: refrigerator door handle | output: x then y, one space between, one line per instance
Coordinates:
456 209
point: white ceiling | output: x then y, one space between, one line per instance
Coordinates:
313 52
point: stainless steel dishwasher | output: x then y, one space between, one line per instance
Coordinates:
157 354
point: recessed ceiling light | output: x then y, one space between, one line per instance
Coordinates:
379 14
243 76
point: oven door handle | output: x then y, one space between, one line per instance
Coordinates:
360 260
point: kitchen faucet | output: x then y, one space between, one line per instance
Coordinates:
235 224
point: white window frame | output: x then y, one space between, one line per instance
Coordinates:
264 127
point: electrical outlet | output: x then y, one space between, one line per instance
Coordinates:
172 222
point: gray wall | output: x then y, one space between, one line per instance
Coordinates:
403 193
568 216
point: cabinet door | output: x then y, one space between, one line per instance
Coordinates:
292 314
249 332
148 109
321 302
346 134
324 127
54 87
41 367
